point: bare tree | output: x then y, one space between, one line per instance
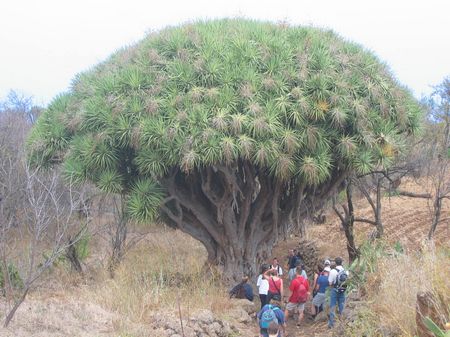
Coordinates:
36 211
46 222
439 118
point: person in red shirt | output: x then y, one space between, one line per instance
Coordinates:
299 288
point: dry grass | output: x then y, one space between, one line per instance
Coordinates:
394 287
165 269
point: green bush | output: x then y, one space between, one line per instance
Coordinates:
14 276
82 246
366 263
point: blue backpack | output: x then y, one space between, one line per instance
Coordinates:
268 317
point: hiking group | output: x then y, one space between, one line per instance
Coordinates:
328 279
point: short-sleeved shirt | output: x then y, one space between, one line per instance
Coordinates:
279 270
322 282
333 274
263 285
295 284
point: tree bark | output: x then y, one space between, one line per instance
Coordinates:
238 211
347 221
437 206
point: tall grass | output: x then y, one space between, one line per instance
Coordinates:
391 290
162 271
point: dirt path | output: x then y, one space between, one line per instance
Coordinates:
308 327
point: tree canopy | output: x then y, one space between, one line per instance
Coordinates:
217 105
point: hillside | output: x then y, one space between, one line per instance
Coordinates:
166 267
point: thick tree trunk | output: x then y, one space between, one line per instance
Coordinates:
238 212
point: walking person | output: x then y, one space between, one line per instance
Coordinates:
337 282
299 288
271 321
263 286
320 298
317 274
275 285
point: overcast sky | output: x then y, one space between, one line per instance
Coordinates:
44 43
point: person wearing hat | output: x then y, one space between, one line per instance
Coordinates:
321 287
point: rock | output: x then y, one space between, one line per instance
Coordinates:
226 330
310 255
240 315
204 316
245 304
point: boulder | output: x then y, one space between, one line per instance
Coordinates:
204 316
248 306
240 315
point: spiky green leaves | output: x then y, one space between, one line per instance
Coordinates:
144 200
295 102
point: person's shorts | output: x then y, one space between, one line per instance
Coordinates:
292 306
319 299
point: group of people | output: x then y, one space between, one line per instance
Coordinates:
271 318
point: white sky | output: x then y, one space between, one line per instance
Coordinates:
44 43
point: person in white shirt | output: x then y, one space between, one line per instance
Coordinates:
276 266
263 286
337 290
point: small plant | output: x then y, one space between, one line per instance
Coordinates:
437 331
398 247
82 246
365 263
14 278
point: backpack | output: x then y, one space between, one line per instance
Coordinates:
341 278
268 317
302 292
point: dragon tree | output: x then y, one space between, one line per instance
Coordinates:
232 131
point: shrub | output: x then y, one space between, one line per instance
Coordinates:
14 277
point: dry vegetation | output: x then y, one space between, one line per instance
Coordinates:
166 267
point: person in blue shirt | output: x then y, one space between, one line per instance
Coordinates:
321 287
242 290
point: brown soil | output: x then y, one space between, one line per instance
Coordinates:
406 221
63 313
